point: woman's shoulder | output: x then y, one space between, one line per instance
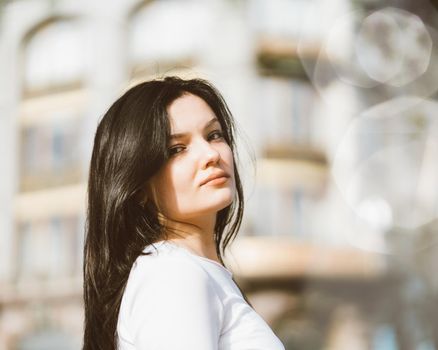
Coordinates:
167 285
166 264
162 276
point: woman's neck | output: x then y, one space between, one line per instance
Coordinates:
196 236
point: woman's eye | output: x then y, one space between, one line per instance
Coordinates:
174 150
215 135
218 134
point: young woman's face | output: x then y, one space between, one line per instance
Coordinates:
180 189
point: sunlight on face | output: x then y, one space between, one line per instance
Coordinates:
197 150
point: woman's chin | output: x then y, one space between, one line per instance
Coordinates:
219 205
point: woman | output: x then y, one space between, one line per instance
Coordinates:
164 201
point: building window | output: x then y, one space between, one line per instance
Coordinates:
55 57
166 36
50 154
48 248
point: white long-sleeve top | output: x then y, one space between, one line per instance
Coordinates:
177 300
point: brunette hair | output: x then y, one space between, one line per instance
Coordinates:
130 146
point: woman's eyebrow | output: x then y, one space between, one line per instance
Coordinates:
207 125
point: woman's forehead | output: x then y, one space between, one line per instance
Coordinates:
190 112
187 105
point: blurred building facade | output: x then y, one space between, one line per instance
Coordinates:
64 63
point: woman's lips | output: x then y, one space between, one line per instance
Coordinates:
217 181
216 178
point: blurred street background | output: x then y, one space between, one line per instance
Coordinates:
337 114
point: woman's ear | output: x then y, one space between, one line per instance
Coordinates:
144 201
142 197
147 193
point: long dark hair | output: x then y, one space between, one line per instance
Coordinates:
130 146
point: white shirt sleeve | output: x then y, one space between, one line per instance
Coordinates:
174 306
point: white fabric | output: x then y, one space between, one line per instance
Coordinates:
177 300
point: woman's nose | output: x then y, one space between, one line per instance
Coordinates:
208 154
